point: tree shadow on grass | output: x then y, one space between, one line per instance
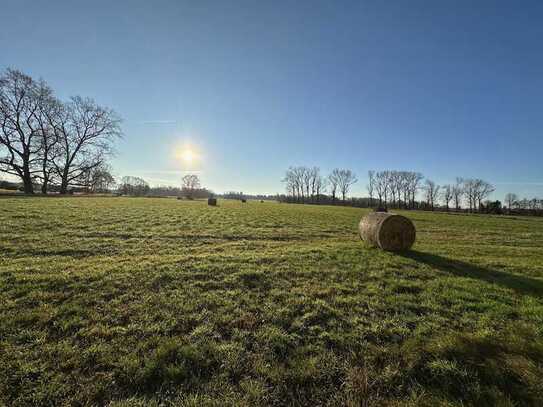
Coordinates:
520 284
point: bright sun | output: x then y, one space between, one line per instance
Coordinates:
188 156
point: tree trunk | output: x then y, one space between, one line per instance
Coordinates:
27 180
64 183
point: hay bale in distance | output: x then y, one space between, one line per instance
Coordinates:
212 201
387 231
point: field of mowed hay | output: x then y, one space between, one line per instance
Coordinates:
148 302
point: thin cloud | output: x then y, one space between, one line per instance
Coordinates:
520 183
158 122
166 172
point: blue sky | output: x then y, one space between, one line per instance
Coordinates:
447 88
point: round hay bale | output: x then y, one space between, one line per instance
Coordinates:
387 231
212 201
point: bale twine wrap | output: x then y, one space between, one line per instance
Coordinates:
387 231
212 201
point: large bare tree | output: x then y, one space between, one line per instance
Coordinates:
86 133
47 141
21 133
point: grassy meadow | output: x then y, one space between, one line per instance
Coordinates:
148 302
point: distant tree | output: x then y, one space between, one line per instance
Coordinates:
307 177
290 183
381 186
371 185
345 180
484 190
431 190
190 182
333 182
476 190
469 187
314 176
395 178
458 193
510 199
404 185
321 184
297 182
100 180
133 186
414 180
447 193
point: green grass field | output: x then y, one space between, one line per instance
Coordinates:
147 302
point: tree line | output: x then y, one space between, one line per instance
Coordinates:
304 184
49 142
523 205
190 188
387 189
399 189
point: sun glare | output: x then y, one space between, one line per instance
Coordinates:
187 156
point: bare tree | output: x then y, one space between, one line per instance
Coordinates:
320 186
458 193
431 190
382 179
415 179
20 137
290 183
404 185
396 180
333 182
483 191
51 110
510 199
100 180
191 182
87 131
298 174
470 190
371 186
346 179
306 179
447 193
314 175
133 186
